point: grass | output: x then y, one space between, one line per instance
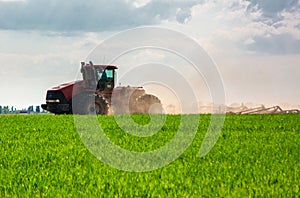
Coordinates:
256 155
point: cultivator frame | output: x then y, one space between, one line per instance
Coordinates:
268 110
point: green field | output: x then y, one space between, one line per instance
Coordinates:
256 155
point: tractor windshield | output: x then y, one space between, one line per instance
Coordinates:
109 73
105 75
99 73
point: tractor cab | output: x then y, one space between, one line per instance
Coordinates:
101 77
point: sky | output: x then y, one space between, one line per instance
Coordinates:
255 44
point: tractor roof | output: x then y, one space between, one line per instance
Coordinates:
103 66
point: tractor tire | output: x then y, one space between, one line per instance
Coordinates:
90 104
148 104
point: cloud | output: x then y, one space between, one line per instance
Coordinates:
92 15
280 20
248 23
271 8
275 44
259 26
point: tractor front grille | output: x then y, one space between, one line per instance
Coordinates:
55 97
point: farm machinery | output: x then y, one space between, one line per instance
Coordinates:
264 110
97 94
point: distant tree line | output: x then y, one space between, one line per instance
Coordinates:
13 110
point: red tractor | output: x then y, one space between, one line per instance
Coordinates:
97 94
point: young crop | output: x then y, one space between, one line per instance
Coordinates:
256 155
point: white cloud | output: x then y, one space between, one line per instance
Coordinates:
238 21
290 24
140 3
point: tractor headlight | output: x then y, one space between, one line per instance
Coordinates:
53 101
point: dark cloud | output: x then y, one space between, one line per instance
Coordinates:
91 15
275 44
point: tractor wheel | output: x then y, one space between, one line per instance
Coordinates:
148 104
90 104
100 106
